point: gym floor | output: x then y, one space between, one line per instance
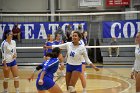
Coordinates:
110 79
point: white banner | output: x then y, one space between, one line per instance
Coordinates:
90 3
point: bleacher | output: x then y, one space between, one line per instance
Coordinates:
30 56
126 54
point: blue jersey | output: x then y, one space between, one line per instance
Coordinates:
50 67
57 42
48 50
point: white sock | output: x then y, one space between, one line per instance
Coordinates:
5 90
84 90
17 90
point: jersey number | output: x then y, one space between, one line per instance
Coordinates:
72 54
12 50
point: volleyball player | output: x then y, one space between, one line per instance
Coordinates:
75 51
45 77
49 42
8 49
58 40
136 69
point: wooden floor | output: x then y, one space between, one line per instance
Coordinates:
110 79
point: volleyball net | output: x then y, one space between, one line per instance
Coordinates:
101 27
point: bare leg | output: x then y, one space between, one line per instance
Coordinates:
82 76
74 77
14 70
138 82
55 89
6 76
68 77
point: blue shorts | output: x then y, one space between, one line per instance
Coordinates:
48 83
71 68
13 63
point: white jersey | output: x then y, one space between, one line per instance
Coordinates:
8 50
137 58
74 53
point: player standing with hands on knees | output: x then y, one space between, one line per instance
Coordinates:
135 74
8 49
75 51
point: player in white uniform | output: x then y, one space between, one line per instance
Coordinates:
75 52
136 69
8 49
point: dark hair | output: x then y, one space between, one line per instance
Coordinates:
48 54
55 52
5 33
78 33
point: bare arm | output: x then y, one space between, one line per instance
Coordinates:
3 50
41 78
15 52
88 60
42 75
93 66
4 63
35 70
61 58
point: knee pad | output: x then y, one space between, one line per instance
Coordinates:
6 79
71 89
16 78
